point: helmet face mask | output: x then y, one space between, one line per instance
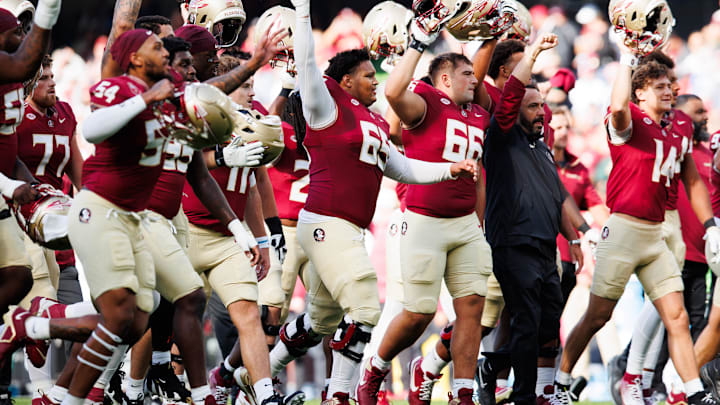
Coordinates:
385 31
224 19
284 17
644 25
433 13
522 28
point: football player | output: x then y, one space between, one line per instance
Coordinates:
349 153
441 125
644 152
20 58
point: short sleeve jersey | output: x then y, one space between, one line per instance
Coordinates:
447 133
11 113
576 179
44 142
681 126
290 177
126 166
347 160
642 169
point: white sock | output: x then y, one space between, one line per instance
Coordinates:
432 363
692 387
544 377
563 378
502 382
135 388
647 377
72 400
280 357
460 383
227 365
263 389
160 358
644 331
80 309
199 394
378 362
37 328
57 393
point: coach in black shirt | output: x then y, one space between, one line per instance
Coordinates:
523 217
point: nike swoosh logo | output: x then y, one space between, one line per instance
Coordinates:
681 122
61 120
18 317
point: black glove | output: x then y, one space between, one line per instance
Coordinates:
277 239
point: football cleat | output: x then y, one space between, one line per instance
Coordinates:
219 386
114 394
562 395
676 398
96 396
615 371
710 376
296 398
12 334
485 377
701 398
464 397
161 381
421 383
6 398
47 308
338 398
631 390
44 399
369 384
502 394
244 382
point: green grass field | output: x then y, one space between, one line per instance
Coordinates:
26 401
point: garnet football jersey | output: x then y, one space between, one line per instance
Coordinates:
642 169
126 166
681 126
576 179
167 194
347 160
11 112
692 230
447 133
289 177
496 95
401 192
235 183
44 142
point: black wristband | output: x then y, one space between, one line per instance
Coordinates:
219 158
710 222
274 225
285 92
417 45
584 227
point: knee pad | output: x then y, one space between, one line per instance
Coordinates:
446 336
270 330
350 339
176 358
298 336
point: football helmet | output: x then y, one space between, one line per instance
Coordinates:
251 126
45 220
285 18
432 14
23 10
203 116
643 24
223 18
482 20
385 31
522 28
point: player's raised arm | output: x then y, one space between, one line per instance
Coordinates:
481 64
318 105
124 17
619 126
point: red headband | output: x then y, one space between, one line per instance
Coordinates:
8 21
127 44
199 38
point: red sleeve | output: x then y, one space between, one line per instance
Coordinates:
506 113
111 91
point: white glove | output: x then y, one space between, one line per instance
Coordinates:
242 237
592 237
47 13
420 34
8 186
712 239
302 8
237 155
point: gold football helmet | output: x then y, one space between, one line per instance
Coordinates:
285 18
522 28
45 220
251 126
385 31
22 9
223 18
482 20
644 24
433 13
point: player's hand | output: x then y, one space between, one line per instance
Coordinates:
237 155
269 45
543 43
47 13
246 242
592 237
161 90
301 6
577 257
712 239
263 266
277 238
465 168
420 33
24 194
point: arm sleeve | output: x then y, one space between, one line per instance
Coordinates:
103 123
619 137
506 112
318 105
8 185
410 171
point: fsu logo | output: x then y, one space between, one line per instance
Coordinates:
319 235
393 229
30 116
445 101
647 120
605 232
403 228
84 215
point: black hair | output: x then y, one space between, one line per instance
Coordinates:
344 63
293 115
175 45
503 51
684 98
444 61
152 23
